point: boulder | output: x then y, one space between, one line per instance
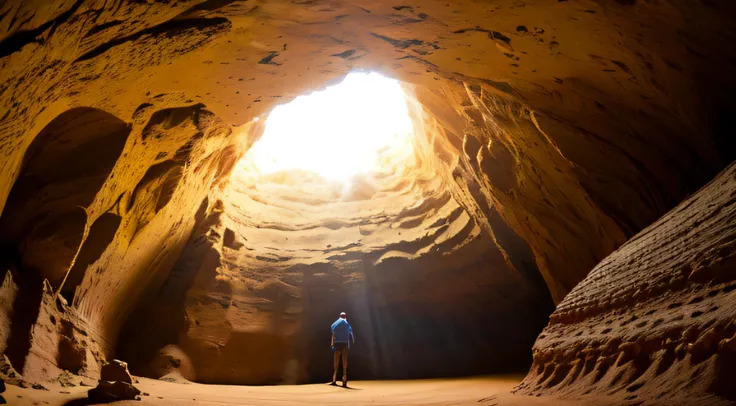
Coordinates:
116 371
115 383
108 391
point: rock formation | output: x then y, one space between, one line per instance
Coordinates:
547 135
655 320
115 384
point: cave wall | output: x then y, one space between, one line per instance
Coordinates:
45 210
655 320
270 265
509 172
572 125
47 337
231 314
132 215
8 293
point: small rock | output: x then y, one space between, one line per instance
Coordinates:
116 383
116 371
11 376
38 386
66 379
112 391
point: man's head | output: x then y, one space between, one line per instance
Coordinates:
343 315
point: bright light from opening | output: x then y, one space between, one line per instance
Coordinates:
338 132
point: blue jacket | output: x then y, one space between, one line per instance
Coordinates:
342 331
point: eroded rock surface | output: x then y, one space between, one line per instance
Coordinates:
115 384
655 320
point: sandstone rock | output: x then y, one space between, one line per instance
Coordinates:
115 383
112 391
67 380
116 371
171 359
8 373
676 337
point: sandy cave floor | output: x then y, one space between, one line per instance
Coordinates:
477 391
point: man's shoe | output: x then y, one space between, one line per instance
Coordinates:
333 383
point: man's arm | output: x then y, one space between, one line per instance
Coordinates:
351 334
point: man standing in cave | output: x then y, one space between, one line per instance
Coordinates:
342 334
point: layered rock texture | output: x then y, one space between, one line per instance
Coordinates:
656 320
547 134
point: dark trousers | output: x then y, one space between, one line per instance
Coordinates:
341 354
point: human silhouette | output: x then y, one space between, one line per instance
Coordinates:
342 335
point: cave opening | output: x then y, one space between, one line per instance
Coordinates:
351 128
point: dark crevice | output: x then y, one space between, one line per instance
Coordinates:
99 28
45 208
26 308
101 234
169 28
157 173
210 5
523 259
403 44
268 59
19 39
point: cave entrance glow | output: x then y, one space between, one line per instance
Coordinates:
344 130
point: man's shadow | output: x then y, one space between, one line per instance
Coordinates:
343 387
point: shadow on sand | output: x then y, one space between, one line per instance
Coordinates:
343 387
85 402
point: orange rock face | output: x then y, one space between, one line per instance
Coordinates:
547 135
655 320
